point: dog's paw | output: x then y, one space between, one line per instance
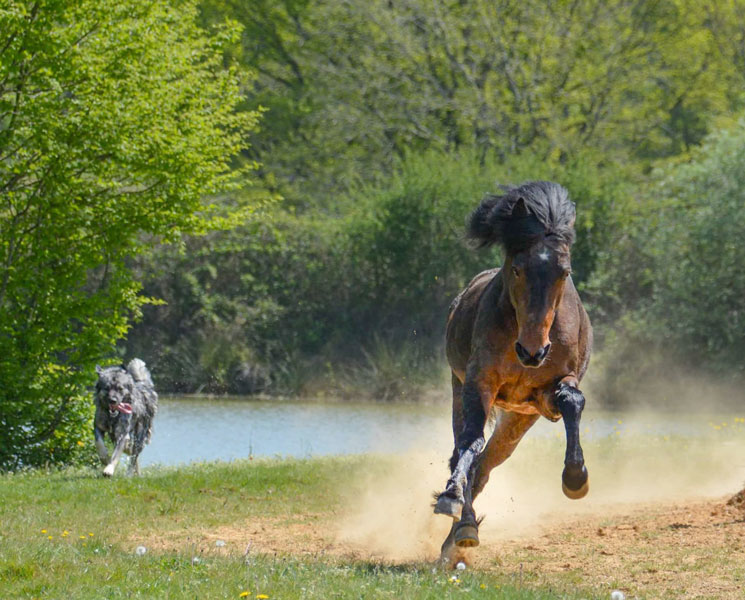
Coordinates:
108 471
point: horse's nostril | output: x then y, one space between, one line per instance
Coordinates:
531 359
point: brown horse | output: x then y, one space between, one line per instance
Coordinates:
519 340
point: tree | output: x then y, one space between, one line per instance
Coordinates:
353 86
116 119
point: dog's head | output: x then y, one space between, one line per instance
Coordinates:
114 390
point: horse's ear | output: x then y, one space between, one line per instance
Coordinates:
520 209
99 370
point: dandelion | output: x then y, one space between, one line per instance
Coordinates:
43 530
261 597
65 533
81 443
50 537
483 586
82 537
90 535
219 543
244 594
140 550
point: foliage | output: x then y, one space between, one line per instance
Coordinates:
684 299
116 119
351 87
354 303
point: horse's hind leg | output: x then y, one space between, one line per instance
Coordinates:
508 431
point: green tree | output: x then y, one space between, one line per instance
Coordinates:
673 285
353 86
116 119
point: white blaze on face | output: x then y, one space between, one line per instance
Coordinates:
543 255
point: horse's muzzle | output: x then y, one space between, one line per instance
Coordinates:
531 360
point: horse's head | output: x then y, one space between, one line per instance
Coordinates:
535 280
534 223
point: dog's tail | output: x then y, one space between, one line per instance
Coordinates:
139 372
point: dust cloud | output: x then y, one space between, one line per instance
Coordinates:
632 459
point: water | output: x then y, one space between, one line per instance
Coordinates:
206 429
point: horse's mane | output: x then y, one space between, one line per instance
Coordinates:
523 216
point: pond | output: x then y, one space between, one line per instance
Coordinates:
190 429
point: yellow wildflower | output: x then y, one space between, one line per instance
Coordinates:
81 443
90 534
483 586
244 594
82 537
261 597
50 537
43 530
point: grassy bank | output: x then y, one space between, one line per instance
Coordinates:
71 534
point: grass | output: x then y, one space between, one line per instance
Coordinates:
62 536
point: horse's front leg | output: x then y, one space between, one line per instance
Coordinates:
456 500
570 402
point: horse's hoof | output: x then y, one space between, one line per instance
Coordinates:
575 483
467 535
448 506
576 494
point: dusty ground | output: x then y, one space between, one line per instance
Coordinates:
656 523
693 549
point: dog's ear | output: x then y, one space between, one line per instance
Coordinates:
99 369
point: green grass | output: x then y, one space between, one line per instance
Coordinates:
96 558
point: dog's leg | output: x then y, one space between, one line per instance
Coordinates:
103 453
134 465
111 467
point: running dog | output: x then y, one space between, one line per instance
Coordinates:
126 404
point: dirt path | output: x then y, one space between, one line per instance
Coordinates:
693 549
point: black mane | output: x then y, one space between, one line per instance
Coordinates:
523 216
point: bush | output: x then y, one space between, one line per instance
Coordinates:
676 282
315 302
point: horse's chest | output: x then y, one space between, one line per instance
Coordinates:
521 397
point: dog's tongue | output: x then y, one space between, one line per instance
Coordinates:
124 407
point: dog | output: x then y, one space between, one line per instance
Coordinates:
126 404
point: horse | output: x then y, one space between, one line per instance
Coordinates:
518 342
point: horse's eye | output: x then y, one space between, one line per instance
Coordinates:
566 273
